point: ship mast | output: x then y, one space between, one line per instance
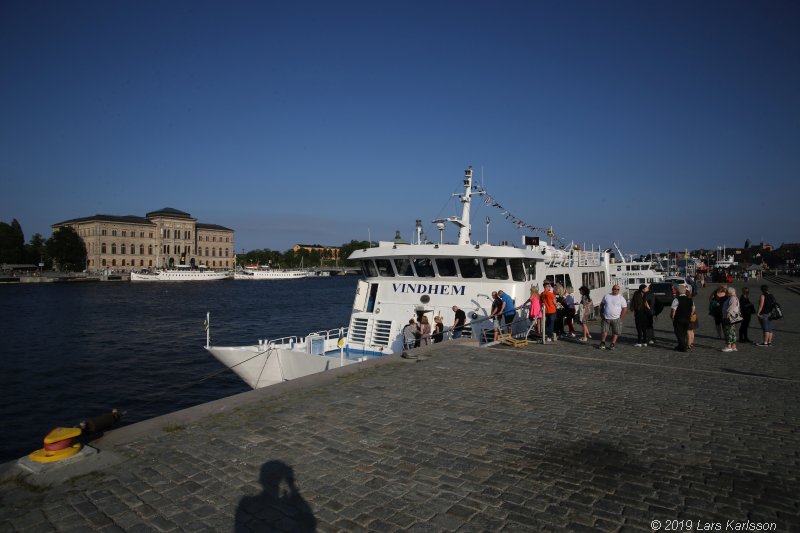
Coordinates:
464 227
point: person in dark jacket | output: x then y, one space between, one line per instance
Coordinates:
682 309
748 309
641 312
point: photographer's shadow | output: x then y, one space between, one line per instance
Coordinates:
280 505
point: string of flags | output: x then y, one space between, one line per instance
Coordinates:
519 223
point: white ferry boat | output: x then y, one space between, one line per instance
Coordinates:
180 273
255 272
630 274
404 281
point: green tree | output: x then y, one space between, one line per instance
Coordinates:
12 243
349 248
35 251
66 249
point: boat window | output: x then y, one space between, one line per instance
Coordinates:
495 268
368 268
469 267
446 267
517 270
567 281
424 267
403 267
384 268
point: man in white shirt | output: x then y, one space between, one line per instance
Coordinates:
613 309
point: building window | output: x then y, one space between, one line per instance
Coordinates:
113 262
149 249
227 252
103 232
123 262
150 263
113 233
151 234
207 251
141 235
102 247
103 262
113 248
122 249
141 249
124 233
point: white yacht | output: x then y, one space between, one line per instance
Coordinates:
404 281
180 273
630 274
255 272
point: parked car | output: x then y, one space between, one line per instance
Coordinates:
664 292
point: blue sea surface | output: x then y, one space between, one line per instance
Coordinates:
72 351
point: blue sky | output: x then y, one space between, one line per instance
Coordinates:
657 125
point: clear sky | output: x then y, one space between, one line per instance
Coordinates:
658 125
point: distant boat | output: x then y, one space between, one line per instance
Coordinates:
631 274
255 272
181 273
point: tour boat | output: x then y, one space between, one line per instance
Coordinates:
255 272
402 281
631 274
180 273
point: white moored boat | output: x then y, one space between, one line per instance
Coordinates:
630 274
265 272
404 281
180 273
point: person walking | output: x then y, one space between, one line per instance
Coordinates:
748 309
458 322
641 312
765 305
507 309
681 313
569 311
550 312
424 331
584 312
535 311
410 335
693 323
613 309
438 329
650 298
731 316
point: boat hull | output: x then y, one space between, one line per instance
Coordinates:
168 275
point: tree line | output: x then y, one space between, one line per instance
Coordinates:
302 258
65 248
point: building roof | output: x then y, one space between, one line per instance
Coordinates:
201 225
169 212
127 219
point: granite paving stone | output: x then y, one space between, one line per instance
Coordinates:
468 438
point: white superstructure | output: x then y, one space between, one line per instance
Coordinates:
256 273
630 274
180 273
404 281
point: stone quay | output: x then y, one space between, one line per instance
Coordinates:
555 437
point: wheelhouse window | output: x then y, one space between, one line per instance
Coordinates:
446 267
495 268
424 267
517 269
368 268
384 268
403 267
470 267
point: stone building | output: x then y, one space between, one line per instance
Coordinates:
160 239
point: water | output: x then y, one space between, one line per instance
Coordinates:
74 351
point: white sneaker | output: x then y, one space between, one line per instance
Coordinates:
638 345
726 349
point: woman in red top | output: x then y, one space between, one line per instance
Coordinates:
550 313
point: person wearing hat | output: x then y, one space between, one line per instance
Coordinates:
641 315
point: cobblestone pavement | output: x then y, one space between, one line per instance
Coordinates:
539 438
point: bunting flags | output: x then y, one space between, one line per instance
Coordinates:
520 224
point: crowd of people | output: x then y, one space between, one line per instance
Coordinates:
554 313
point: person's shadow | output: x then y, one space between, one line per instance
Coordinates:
279 506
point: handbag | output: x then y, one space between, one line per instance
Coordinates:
734 318
693 317
777 312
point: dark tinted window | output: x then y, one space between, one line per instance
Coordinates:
368 268
495 268
403 267
424 267
517 270
446 267
384 268
469 267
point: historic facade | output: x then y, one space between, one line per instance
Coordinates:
160 239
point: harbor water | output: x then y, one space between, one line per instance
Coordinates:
71 351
